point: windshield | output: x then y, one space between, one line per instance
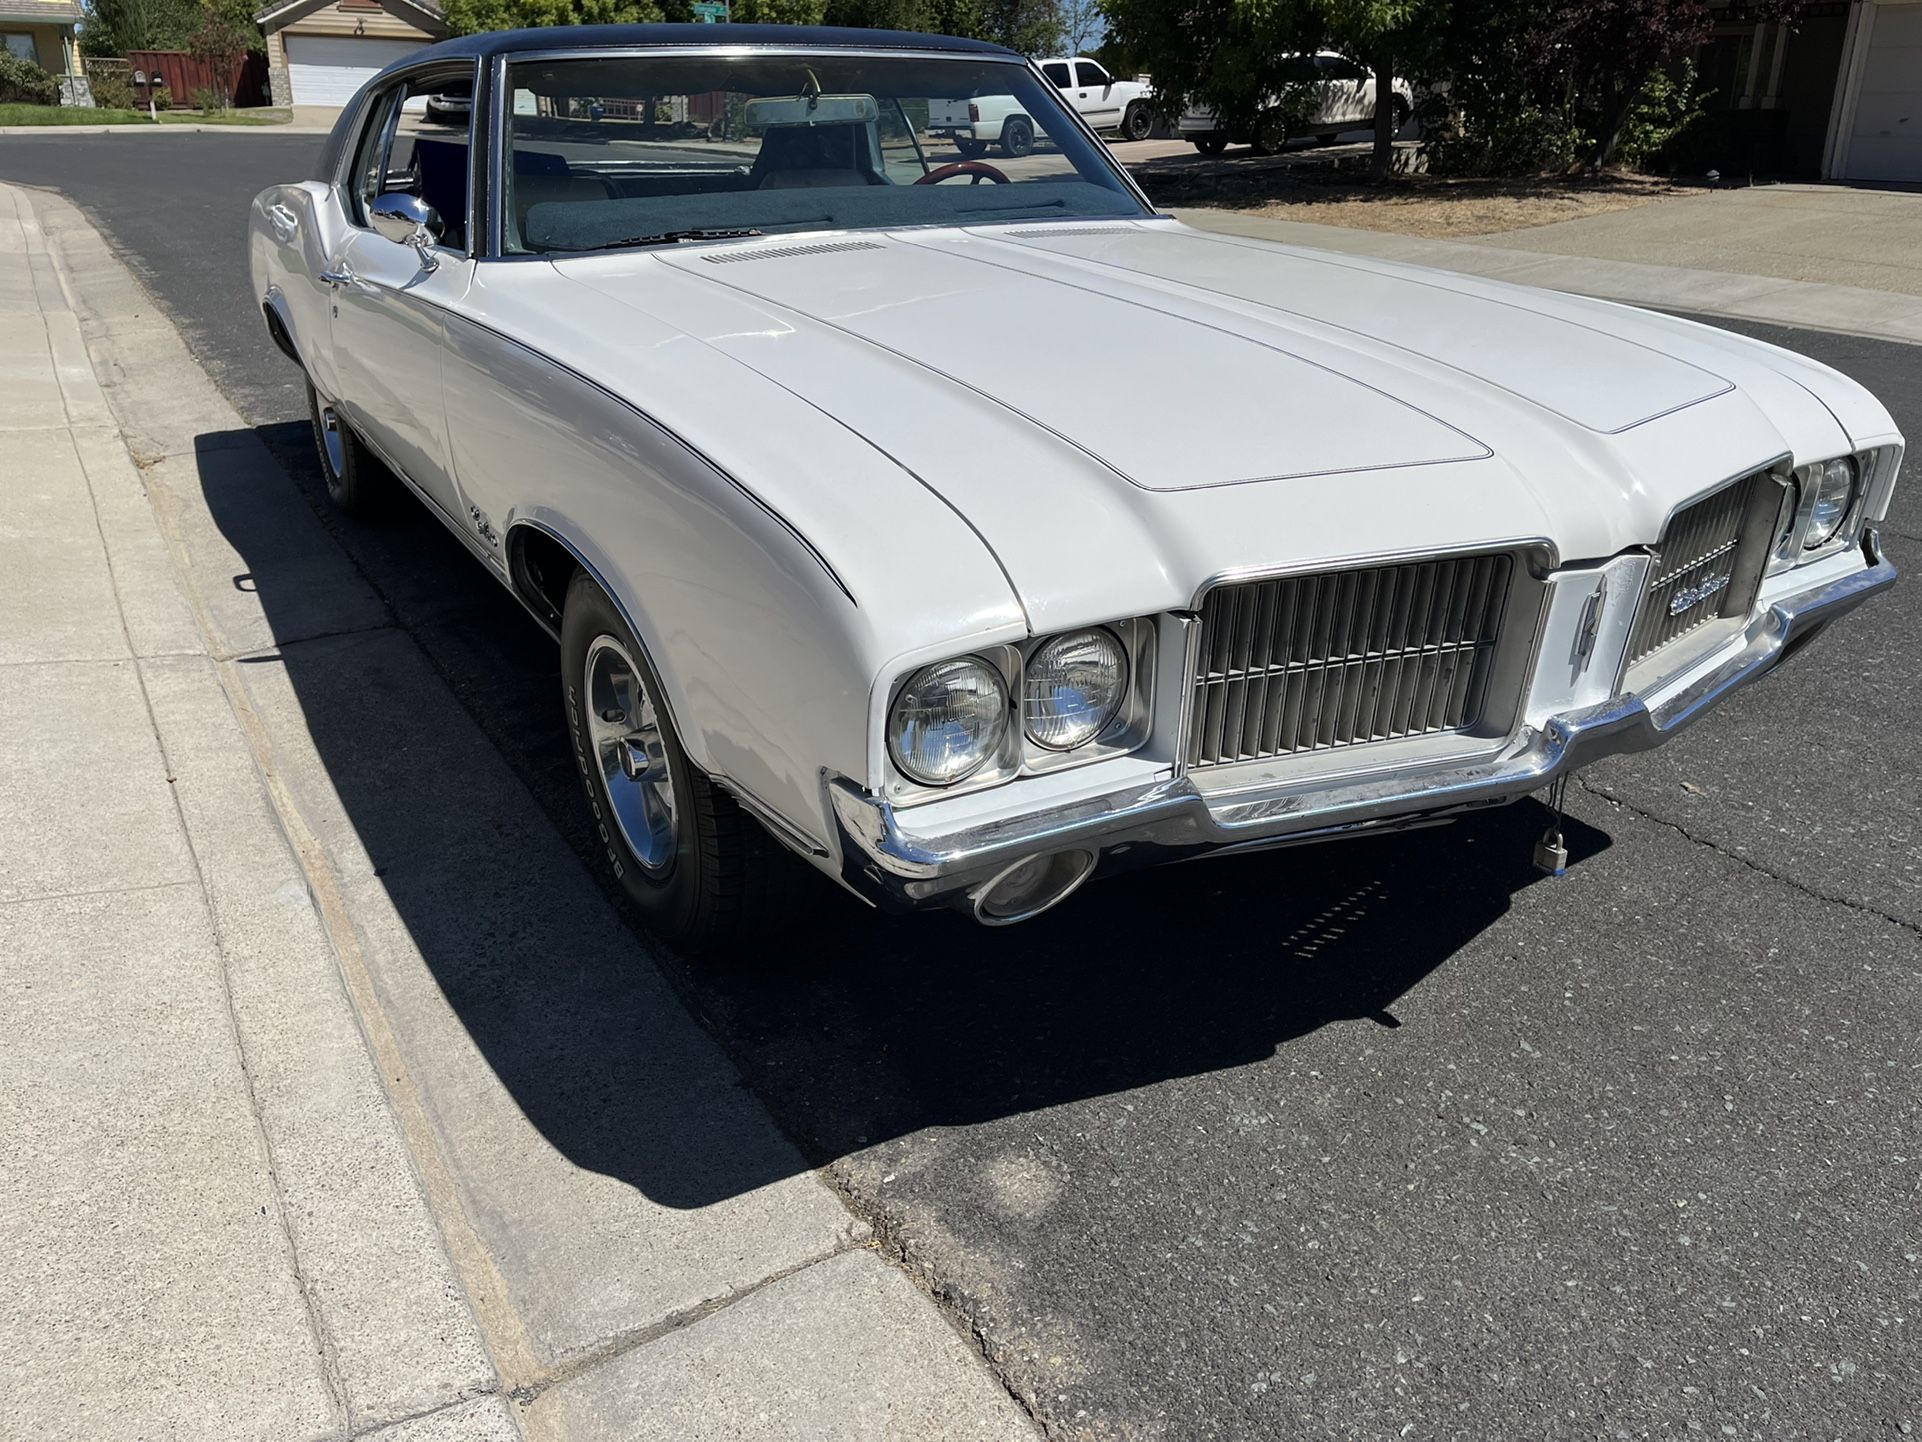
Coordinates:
647 150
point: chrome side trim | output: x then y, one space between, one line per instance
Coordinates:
1170 819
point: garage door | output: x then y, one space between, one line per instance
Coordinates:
328 69
1885 142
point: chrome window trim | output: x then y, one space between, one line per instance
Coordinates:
500 108
367 96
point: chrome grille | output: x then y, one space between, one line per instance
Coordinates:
1703 548
1340 658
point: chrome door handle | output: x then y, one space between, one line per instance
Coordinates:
285 221
343 276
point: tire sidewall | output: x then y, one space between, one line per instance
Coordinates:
1131 121
668 901
340 484
1017 136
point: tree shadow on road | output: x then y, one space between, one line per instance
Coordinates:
852 1026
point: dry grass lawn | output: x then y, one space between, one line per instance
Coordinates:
1421 205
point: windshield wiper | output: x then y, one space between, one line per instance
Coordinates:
670 237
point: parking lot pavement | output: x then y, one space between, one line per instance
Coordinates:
1388 1138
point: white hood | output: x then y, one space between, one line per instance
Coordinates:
1121 410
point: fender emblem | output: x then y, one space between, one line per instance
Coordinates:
1690 597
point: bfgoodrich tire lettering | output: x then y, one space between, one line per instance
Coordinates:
721 880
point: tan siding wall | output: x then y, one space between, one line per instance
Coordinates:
49 51
332 20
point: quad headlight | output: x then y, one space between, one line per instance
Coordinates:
1074 685
948 721
1830 487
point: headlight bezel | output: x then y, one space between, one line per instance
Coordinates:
1020 755
1792 548
997 750
1031 664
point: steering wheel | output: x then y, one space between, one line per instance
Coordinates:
976 168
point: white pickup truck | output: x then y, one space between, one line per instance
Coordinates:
1103 101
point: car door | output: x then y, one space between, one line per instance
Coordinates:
1094 95
388 331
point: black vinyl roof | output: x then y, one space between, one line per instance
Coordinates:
627 37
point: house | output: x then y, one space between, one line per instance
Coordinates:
1837 95
319 52
43 31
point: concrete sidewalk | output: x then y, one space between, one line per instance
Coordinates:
264 1176
1815 256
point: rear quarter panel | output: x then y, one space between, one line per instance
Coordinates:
293 232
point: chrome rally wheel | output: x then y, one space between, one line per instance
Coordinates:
624 731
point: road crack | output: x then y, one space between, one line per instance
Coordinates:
1793 883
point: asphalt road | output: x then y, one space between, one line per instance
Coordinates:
1378 1140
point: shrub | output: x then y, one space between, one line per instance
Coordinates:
163 98
23 82
207 99
1668 109
113 92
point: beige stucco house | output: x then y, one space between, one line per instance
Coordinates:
43 31
319 52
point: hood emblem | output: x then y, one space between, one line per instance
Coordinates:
1689 597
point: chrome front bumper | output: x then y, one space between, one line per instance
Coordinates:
885 859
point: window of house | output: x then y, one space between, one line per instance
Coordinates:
21 46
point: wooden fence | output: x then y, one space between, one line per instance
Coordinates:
183 74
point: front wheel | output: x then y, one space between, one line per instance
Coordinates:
1017 136
703 874
354 476
1138 122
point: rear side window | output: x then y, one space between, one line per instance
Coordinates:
416 140
1057 71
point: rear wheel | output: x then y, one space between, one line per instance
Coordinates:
970 147
1137 122
355 478
1210 144
702 872
1017 136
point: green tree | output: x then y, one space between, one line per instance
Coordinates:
465 17
113 27
1032 27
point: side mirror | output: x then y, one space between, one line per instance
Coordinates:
408 220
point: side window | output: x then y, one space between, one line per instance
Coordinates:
1057 71
416 140
1092 75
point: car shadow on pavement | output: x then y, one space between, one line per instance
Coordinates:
851 1026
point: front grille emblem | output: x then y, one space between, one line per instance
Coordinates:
1689 597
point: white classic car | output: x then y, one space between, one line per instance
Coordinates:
1343 99
806 448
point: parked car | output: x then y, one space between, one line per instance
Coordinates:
450 109
974 123
807 450
1344 97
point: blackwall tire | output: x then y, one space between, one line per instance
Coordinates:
703 874
1017 136
1137 122
356 480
